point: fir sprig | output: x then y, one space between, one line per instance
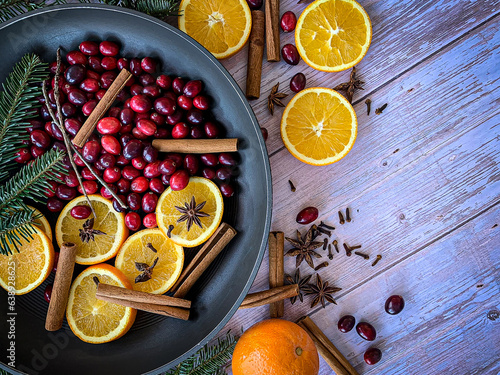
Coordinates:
17 100
12 8
209 360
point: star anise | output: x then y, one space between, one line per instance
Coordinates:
304 248
191 213
274 98
147 271
321 292
350 86
88 232
301 282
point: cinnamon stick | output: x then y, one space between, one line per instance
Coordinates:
173 312
255 54
196 146
270 296
203 259
325 347
272 30
276 270
101 108
111 291
60 290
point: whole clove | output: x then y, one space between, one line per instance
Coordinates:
324 231
365 256
335 243
347 215
169 232
341 218
330 254
292 186
378 111
355 247
376 260
320 266
348 250
325 243
329 227
368 103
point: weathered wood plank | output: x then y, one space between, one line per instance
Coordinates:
404 34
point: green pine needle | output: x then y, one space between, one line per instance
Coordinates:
17 99
12 8
209 360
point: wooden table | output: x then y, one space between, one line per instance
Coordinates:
422 183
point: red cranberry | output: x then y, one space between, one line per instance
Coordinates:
89 48
152 170
164 81
366 331
288 21
134 201
227 159
161 133
372 356
149 202
122 63
107 160
122 161
117 206
140 104
56 260
346 323
139 163
165 179
208 173
100 94
109 63
180 130
223 173
114 112
36 152
65 193
194 116
90 85
152 91
76 57
95 63
175 117
86 174
81 212
123 186
149 221
89 107
136 89
201 102
78 161
55 205
165 106
147 79
130 173
59 146
184 102
135 67
179 180
211 129
22 156
175 157
255 4
139 185
150 154
56 132
264 133
68 110
90 187
191 163
133 221
127 116
111 175
155 185
138 134
157 118
148 64
394 305
109 48
178 85
75 74
77 97
307 215
108 125
106 193
47 294
298 82
133 149
227 190
93 75
210 160
39 138
111 144
196 132
290 54
167 167
171 95
147 127
192 88
107 79
71 179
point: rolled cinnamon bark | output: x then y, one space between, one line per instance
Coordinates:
276 270
196 146
255 54
272 30
270 296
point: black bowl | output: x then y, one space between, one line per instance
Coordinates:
154 343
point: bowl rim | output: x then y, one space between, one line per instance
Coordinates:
253 118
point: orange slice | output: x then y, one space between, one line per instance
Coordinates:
333 35
140 248
103 246
92 320
171 203
319 126
23 271
221 26
42 222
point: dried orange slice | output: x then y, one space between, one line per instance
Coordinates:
221 26
319 126
99 247
333 35
143 248
92 320
42 222
23 271
194 212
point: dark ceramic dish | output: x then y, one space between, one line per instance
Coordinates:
154 344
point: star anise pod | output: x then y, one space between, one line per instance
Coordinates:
349 87
274 98
321 291
301 282
147 271
191 213
88 232
304 248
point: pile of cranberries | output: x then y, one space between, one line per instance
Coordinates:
150 106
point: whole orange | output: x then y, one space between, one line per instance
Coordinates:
275 347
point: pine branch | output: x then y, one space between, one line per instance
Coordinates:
209 360
17 100
16 227
158 8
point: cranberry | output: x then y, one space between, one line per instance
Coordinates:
150 154
68 110
65 193
92 75
152 170
178 85
90 85
167 167
36 152
22 156
34 124
123 186
76 57
117 206
191 163
394 305
211 129
75 74
99 166
147 79
208 173
44 112
264 132
175 117
130 173
133 149
111 175
100 94
194 116
307 215
255 4
107 79
136 89
47 294
210 160
121 161
81 212
89 48
161 133
109 63
152 91
55 205
298 82
106 193
77 97
366 331
147 127
192 88
227 159
184 102
133 221
227 190
372 356
56 132
109 48
127 116
114 112
290 54
40 138
139 163
107 160
148 64
149 202
71 179
95 63
196 132
201 102
138 134
134 201
59 146
171 95
87 175
89 107
175 157
140 103
139 185
111 144
157 118
56 260
155 185
78 161
165 106
223 173
108 125
346 323
149 221
164 81
288 21
165 179
179 180
91 151
180 130
135 67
